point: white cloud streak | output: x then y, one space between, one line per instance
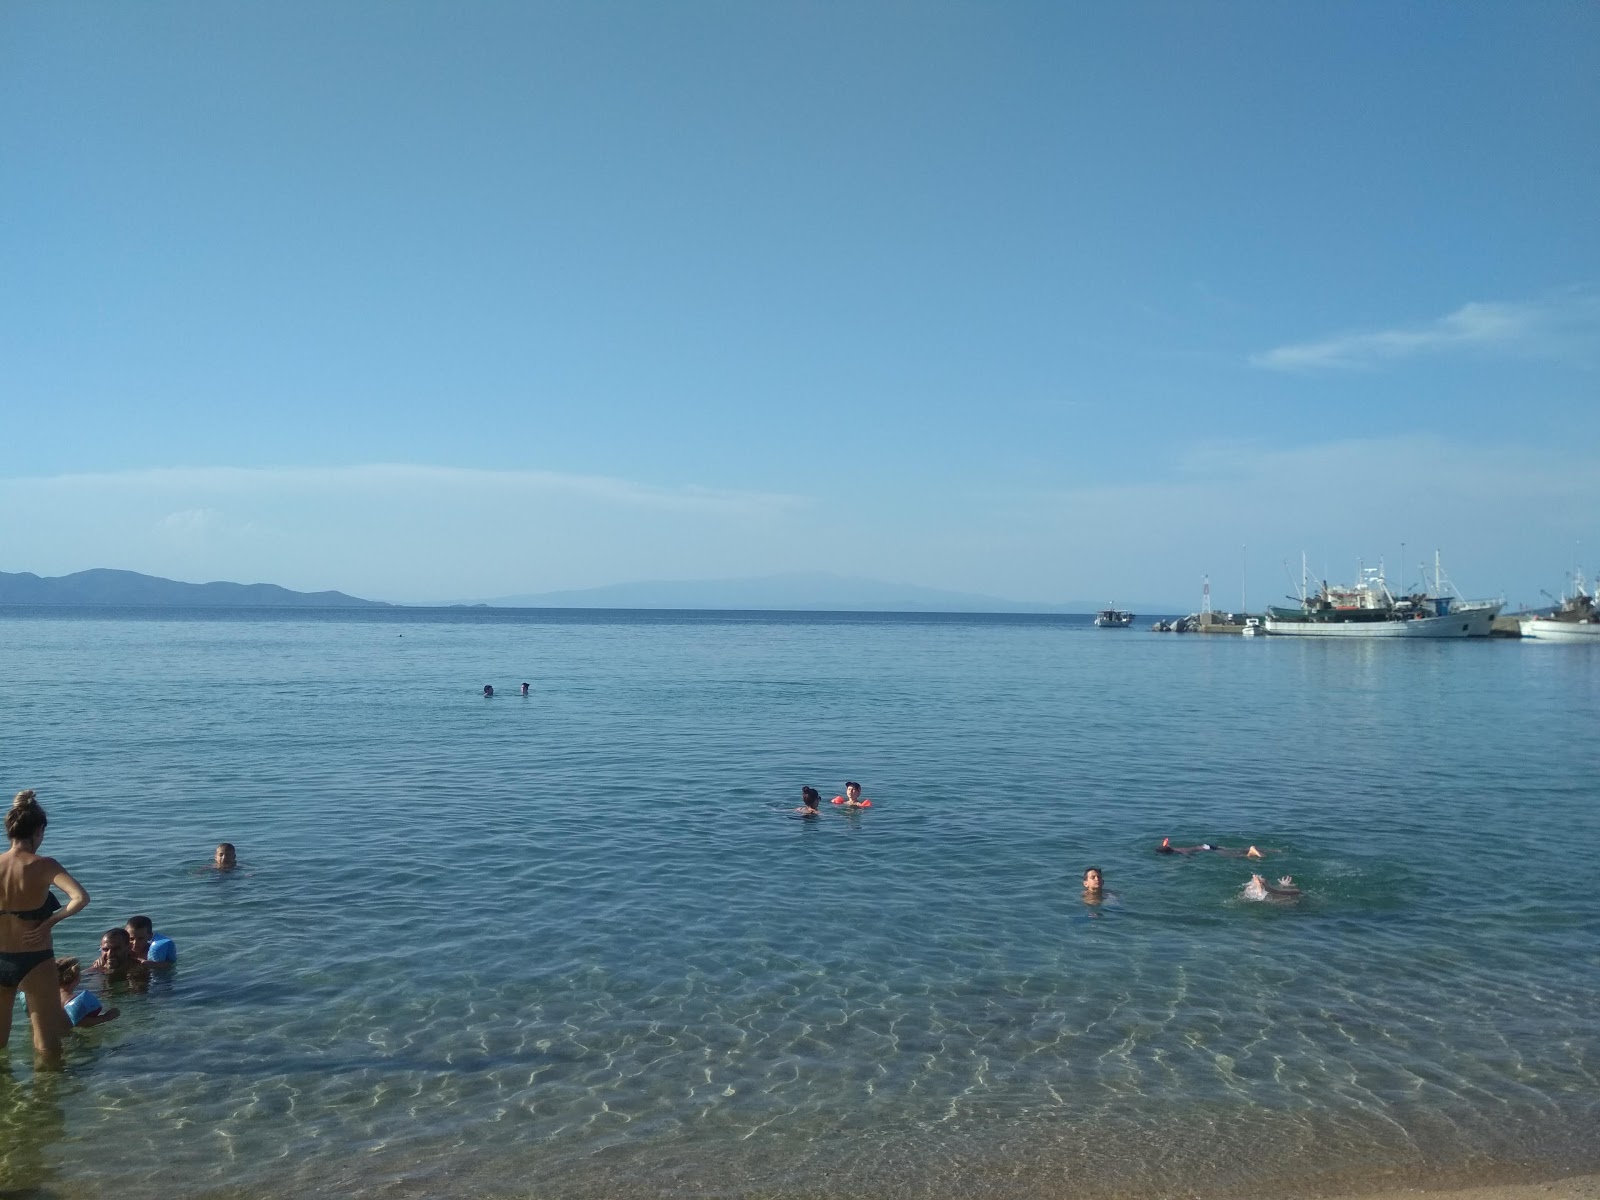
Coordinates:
380 479
1566 326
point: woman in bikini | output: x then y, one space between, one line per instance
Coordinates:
28 912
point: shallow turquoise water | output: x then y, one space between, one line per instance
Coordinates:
578 945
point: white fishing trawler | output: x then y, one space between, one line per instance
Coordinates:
1368 609
1576 619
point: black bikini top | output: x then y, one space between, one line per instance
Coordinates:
50 905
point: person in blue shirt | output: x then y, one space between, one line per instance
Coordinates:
150 947
80 1008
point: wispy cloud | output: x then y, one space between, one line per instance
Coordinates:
1562 326
378 479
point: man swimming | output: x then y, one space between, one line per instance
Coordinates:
1167 847
226 857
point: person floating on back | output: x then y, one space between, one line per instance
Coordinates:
226 857
852 796
149 947
81 1008
1167 847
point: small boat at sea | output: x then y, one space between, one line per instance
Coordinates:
1113 618
1576 619
1368 609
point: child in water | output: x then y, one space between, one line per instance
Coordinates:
852 796
79 1007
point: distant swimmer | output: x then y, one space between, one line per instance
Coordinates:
1167 847
524 689
1259 889
488 691
226 857
852 796
810 798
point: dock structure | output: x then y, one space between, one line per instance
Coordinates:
1220 622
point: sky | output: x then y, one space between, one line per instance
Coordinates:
1038 300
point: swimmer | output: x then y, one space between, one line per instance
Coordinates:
149 947
1167 847
524 689
852 796
810 798
80 1008
1094 884
226 857
488 691
1259 889
117 960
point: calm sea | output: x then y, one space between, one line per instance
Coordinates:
578 944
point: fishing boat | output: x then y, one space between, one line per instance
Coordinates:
1368 609
1113 618
1576 619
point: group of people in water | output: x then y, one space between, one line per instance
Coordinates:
1094 882
1094 889
29 911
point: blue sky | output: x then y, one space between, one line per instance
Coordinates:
1042 300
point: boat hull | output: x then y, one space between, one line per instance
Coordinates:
1542 629
1474 622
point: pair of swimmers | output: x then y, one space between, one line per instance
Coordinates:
488 691
811 799
1258 888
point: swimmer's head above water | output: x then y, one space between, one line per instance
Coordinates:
1093 880
226 857
488 690
809 798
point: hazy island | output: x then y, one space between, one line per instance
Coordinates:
101 586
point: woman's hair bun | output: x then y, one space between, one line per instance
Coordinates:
26 817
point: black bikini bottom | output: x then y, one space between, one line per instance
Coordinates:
15 964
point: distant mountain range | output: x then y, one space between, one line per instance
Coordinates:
806 591
129 588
